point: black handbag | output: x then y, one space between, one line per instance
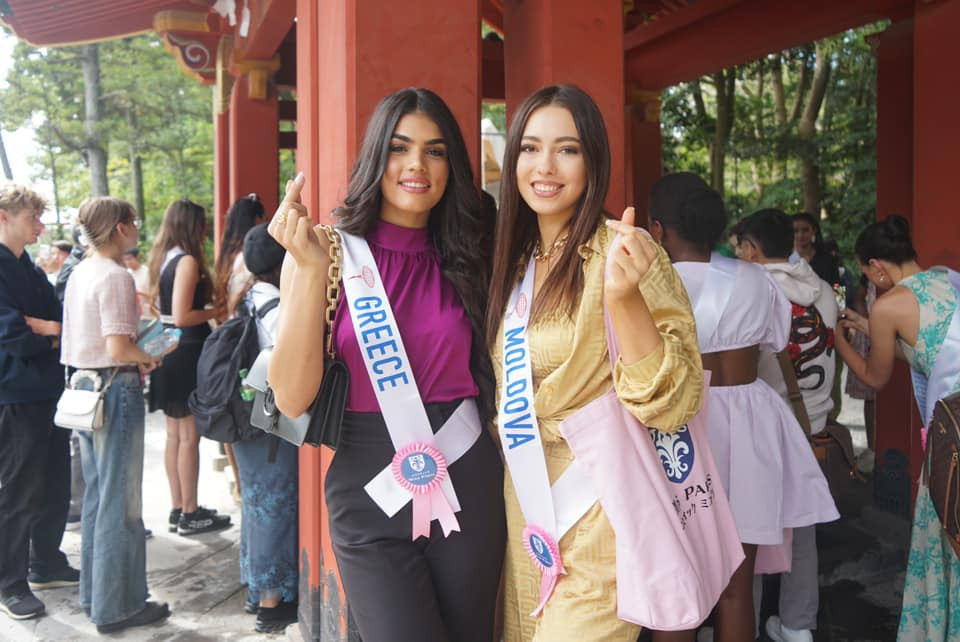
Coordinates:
322 422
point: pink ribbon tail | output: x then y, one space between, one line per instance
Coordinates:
448 521
421 516
424 505
548 581
923 438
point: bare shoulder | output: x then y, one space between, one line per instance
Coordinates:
899 305
187 265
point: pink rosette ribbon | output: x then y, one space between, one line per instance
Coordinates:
545 553
420 469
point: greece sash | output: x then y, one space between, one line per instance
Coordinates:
946 369
714 296
418 471
548 512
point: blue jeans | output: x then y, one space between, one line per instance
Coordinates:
113 572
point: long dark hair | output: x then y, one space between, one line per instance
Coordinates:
516 230
183 225
886 240
456 226
242 215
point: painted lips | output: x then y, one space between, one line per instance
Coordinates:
415 187
546 190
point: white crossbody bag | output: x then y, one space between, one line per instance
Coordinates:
82 409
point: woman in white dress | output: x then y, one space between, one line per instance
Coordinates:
766 464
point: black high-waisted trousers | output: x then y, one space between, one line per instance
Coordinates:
441 589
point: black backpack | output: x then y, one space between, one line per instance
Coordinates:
221 412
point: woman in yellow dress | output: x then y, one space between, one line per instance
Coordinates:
556 176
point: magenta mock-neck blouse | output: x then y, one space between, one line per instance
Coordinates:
435 328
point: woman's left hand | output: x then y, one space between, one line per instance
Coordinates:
631 256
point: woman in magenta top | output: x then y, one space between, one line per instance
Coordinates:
435 328
413 201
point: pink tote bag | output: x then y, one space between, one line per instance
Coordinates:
677 544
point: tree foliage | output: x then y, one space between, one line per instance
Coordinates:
151 114
801 133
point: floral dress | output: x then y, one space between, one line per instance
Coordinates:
931 594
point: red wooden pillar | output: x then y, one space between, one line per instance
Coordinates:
936 231
350 54
221 174
254 145
898 423
565 41
643 115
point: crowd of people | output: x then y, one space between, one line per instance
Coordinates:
460 506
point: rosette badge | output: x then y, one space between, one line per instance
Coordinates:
545 553
420 469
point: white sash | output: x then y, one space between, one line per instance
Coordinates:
714 296
550 510
946 369
393 382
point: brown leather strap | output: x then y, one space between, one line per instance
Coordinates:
793 391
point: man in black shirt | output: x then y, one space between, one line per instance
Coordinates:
34 456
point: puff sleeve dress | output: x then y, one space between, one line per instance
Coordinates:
765 462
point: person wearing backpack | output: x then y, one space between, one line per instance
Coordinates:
268 469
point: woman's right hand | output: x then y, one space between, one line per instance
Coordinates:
292 228
854 320
146 367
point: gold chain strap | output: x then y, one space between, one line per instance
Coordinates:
333 282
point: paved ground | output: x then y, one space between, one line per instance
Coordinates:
198 576
861 563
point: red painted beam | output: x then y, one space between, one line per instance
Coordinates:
898 422
714 35
491 11
270 21
676 20
51 23
492 74
936 234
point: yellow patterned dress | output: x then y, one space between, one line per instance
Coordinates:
571 367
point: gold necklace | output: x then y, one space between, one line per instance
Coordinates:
556 246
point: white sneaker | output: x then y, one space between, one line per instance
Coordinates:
705 634
780 633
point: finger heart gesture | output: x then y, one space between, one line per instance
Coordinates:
292 228
631 256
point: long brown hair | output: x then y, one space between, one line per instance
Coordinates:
458 226
183 224
516 231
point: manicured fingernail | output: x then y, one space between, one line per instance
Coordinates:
298 180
